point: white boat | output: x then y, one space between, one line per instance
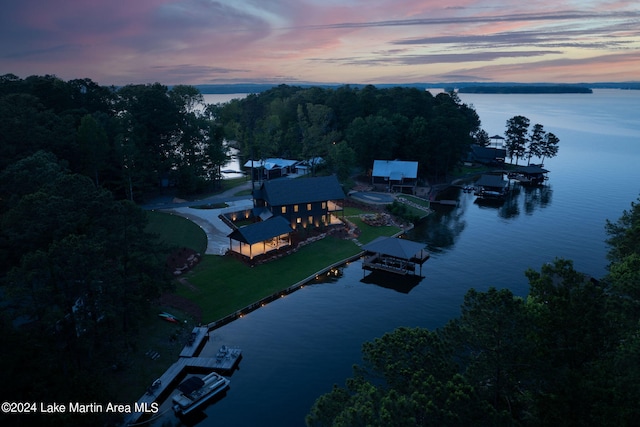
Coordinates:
195 391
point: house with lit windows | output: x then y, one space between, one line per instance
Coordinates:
304 202
283 206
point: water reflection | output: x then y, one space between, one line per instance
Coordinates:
537 198
398 283
441 229
533 198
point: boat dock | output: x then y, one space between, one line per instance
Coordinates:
197 338
224 362
394 255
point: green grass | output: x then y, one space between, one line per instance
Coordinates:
223 285
417 200
176 231
243 193
367 232
228 184
140 370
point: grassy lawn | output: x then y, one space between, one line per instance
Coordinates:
417 200
161 337
177 231
223 285
367 232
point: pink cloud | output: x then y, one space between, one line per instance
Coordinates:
312 40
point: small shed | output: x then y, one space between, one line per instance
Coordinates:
394 255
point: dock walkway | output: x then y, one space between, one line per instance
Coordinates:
198 336
224 362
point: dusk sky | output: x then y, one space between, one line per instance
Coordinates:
325 41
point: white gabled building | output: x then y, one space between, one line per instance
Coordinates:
395 175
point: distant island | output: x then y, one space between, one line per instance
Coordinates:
465 87
551 89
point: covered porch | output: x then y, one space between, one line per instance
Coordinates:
261 238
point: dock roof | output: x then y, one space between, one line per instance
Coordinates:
531 169
397 248
494 181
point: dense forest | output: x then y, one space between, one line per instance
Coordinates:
350 127
78 271
566 355
129 140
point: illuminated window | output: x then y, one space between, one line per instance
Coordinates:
298 220
308 206
324 205
284 209
310 220
295 208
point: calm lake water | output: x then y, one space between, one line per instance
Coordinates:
296 348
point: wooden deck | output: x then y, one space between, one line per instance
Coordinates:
198 335
389 264
225 361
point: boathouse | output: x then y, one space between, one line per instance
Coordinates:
532 174
394 255
491 187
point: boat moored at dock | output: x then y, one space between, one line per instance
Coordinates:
195 391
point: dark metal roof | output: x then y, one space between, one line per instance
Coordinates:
287 191
261 231
531 169
494 181
397 248
487 153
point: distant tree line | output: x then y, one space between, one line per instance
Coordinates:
525 89
565 355
350 127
